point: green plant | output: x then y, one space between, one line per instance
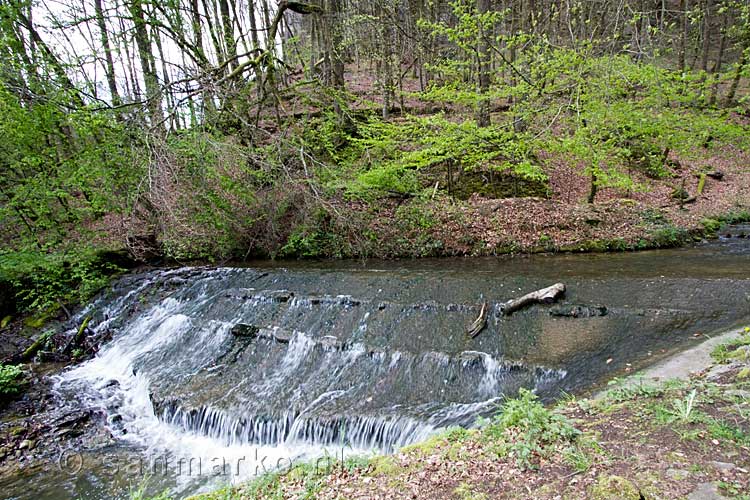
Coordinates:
683 408
668 236
578 456
719 429
621 391
466 491
734 349
711 225
526 430
42 280
10 379
456 434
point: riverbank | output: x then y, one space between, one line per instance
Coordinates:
680 438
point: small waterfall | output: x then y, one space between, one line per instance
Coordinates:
360 432
307 373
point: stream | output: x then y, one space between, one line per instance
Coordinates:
214 375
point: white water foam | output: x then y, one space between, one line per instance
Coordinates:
113 380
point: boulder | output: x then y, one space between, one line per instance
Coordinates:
578 311
245 331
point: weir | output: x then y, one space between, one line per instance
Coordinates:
281 364
250 366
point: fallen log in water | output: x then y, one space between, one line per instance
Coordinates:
545 296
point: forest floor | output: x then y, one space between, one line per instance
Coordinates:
565 222
685 438
649 216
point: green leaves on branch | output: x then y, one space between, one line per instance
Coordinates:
396 152
10 379
42 280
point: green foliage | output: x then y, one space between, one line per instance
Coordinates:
626 118
315 237
736 217
10 379
733 350
711 225
463 33
579 454
207 212
41 280
527 430
683 409
58 169
620 391
669 236
457 434
397 152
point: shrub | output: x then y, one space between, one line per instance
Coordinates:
41 280
10 379
526 430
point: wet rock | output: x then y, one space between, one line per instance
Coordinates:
266 296
739 393
706 491
347 300
331 342
175 281
471 359
578 311
282 337
717 371
426 306
277 334
277 296
240 293
244 330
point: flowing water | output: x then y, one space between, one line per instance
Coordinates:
216 374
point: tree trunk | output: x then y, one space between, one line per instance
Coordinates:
146 55
594 187
706 47
483 68
336 46
49 56
681 57
253 24
737 76
716 70
109 68
227 29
